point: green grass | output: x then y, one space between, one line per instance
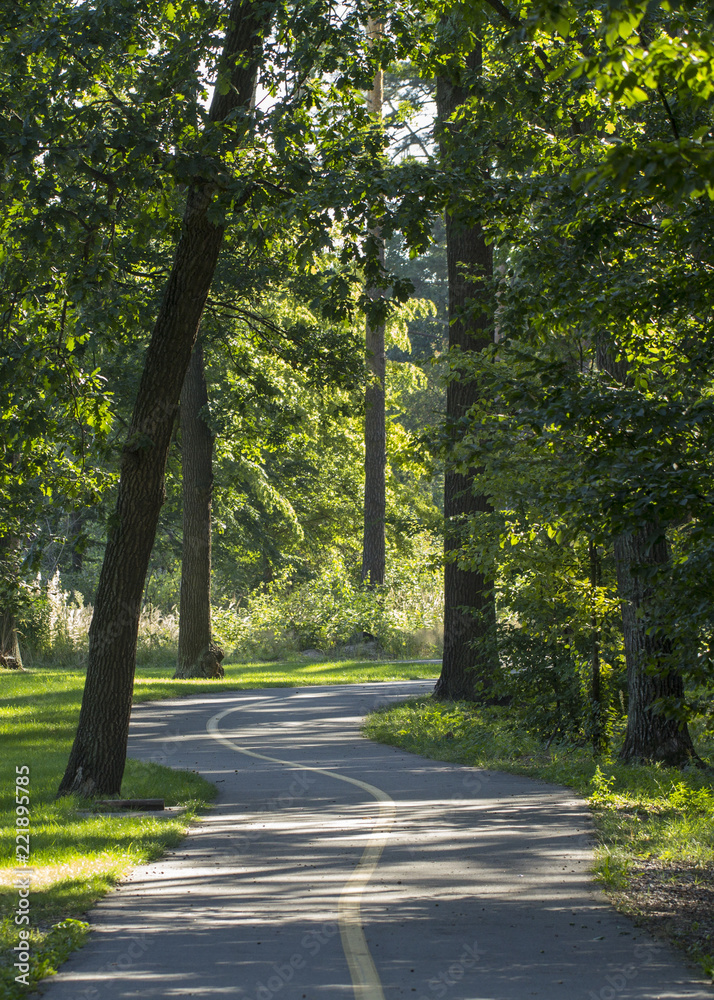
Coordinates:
77 858
640 813
152 682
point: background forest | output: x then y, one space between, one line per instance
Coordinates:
527 214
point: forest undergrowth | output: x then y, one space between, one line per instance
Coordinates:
331 614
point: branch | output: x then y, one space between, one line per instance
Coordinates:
515 22
634 222
668 109
417 140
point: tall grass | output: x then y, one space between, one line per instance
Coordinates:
332 613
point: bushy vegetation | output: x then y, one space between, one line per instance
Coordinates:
334 610
332 613
54 627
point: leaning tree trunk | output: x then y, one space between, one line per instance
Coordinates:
198 656
98 755
651 675
470 658
375 433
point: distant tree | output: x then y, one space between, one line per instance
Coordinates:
375 434
198 655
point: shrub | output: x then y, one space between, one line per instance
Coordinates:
334 612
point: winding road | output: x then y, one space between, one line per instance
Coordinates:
332 868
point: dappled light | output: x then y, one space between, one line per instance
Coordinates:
482 872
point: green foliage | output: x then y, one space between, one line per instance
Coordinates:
584 152
49 949
106 122
334 610
54 628
586 155
601 787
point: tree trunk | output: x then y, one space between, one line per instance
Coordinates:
98 755
470 659
77 539
651 675
10 657
596 687
375 461
198 656
375 433
651 735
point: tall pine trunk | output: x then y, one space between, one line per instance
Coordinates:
375 433
98 755
470 658
198 656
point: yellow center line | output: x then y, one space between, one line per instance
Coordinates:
365 978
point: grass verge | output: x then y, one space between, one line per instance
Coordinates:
76 858
654 825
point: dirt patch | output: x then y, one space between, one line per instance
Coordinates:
674 900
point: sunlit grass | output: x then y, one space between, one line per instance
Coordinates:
649 810
76 856
152 683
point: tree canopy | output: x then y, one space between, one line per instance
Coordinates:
576 143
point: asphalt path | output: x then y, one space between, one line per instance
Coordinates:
334 868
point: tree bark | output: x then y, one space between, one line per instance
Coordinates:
10 657
375 460
651 674
651 735
198 656
375 431
98 755
470 659
595 687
